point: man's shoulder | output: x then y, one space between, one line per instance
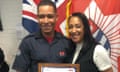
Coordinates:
64 38
60 35
29 36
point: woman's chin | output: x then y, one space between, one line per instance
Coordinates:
76 41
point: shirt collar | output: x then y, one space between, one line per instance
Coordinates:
79 46
39 35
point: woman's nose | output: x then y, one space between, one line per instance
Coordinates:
73 29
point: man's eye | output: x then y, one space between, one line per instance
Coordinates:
50 16
41 16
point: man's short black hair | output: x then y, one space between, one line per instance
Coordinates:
47 2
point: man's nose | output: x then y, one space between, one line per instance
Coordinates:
46 19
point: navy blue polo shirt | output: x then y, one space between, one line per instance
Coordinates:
35 49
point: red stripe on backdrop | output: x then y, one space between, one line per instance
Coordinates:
61 10
119 64
79 5
37 1
29 14
109 6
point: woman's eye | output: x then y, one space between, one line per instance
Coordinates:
70 26
77 25
74 26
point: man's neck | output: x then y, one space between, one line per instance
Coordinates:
48 34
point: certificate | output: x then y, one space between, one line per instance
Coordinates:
48 67
58 69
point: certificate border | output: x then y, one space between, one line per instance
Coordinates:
76 66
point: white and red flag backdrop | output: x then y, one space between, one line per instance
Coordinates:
103 15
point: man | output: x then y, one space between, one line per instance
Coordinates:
45 46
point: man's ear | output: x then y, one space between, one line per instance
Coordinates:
37 18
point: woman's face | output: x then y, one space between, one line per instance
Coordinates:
76 29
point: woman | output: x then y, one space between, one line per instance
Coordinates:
91 56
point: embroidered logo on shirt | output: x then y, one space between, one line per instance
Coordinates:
61 53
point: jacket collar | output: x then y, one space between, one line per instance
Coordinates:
39 35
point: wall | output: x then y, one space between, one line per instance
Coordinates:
11 17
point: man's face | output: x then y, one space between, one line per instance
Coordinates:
47 18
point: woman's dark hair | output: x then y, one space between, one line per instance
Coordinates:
47 2
89 41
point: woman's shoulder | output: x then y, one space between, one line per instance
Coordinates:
101 58
100 49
